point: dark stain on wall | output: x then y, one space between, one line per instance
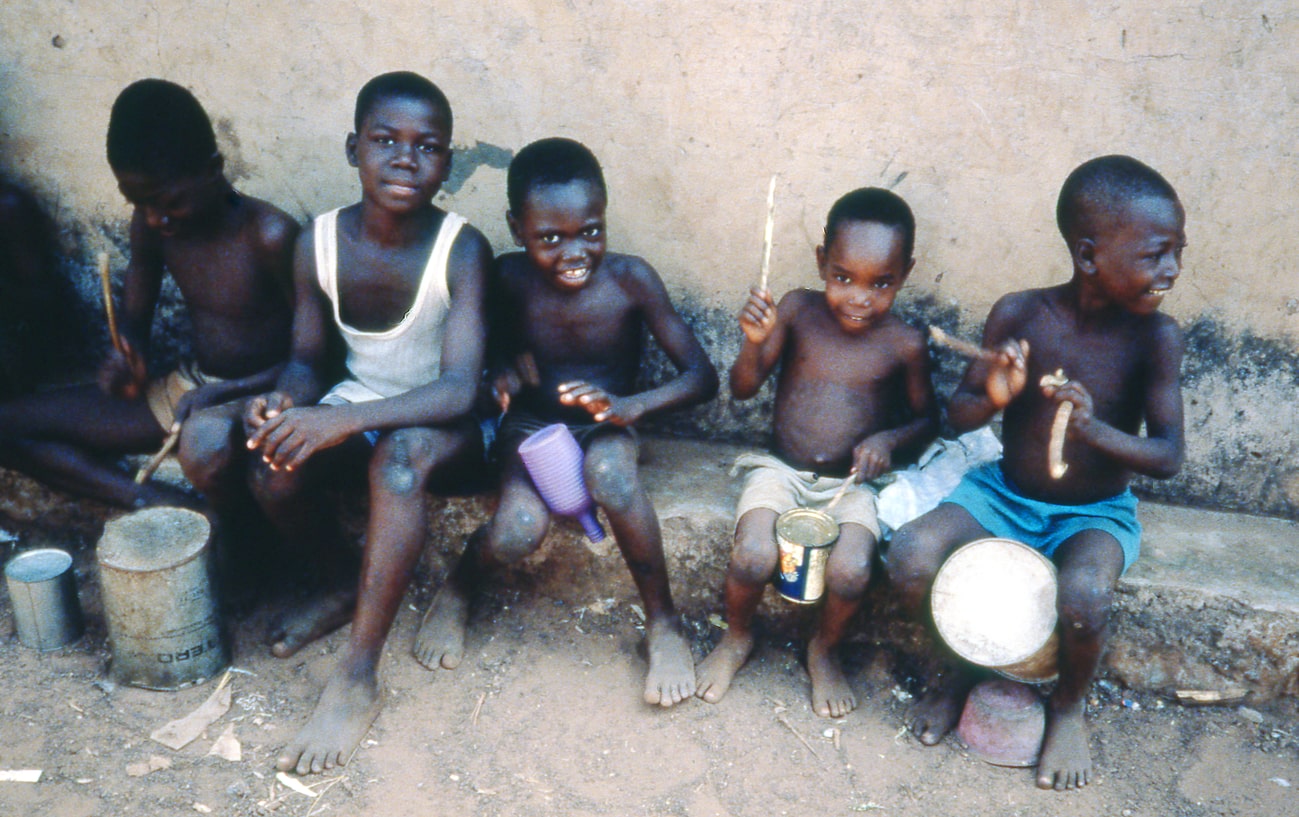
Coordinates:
468 159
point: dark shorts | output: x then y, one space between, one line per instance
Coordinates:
517 426
996 505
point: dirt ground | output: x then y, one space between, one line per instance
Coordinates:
544 717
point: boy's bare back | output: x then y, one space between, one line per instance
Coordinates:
235 277
835 389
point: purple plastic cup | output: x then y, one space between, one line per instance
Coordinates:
554 461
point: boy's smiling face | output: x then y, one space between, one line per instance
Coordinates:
403 152
863 269
1136 255
561 228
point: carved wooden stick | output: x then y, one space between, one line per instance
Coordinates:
1055 449
771 224
106 282
962 347
168 444
843 489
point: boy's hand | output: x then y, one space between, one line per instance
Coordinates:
262 408
1007 373
198 399
758 317
871 457
1073 392
123 374
293 435
602 406
512 379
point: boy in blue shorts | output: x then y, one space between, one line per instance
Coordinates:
1124 227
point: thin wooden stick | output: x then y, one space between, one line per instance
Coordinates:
962 347
173 436
771 225
106 281
843 489
1059 426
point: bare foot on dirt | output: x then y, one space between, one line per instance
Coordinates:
1066 762
671 677
938 710
343 715
719 668
831 693
440 641
303 623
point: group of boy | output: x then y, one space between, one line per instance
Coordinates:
420 309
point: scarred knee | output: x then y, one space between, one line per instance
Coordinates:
514 534
274 488
909 571
612 480
403 460
205 450
1084 608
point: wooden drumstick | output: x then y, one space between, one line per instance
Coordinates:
766 241
963 347
1055 449
173 437
843 489
106 281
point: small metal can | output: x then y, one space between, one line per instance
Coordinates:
43 590
804 536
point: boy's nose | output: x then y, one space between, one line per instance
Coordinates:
154 217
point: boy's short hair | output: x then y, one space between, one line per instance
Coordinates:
551 161
872 204
1103 185
405 84
159 129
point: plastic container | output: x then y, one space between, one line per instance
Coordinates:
554 461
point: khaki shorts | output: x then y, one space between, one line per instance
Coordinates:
771 484
165 392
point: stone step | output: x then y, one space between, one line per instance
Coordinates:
1211 605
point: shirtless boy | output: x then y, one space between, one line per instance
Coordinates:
576 315
852 394
229 254
1123 225
399 283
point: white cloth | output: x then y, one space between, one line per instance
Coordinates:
407 355
918 489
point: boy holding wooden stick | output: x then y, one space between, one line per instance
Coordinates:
1119 361
853 396
229 254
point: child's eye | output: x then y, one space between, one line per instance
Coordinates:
843 279
883 284
549 239
432 150
592 232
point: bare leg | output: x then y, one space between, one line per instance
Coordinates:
68 439
914 557
516 530
753 561
297 507
848 572
611 475
1090 564
399 470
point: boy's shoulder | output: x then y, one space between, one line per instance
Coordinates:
269 226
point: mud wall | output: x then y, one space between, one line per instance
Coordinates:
973 111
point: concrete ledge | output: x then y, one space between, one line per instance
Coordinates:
1212 603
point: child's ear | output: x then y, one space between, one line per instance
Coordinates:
349 149
911 264
820 260
515 228
216 165
1084 256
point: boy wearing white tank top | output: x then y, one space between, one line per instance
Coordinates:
400 283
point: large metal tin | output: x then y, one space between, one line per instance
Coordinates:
804 536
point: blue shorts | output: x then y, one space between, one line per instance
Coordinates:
996 505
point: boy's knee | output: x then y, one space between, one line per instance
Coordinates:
753 560
205 450
909 569
612 480
272 487
1084 608
403 460
514 534
848 578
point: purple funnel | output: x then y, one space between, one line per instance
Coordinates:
554 461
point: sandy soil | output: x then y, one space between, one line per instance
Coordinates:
544 717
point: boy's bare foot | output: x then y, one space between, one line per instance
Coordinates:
938 710
671 677
303 623
719 668
831 693
341 718
440 641
1066 761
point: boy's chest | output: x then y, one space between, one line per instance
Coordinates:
216 277
822 353
376 290
1111 364
592 326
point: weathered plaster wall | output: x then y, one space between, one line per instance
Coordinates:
973 111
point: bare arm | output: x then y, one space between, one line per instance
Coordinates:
765 327
696 379
123 373
989 385
1159 454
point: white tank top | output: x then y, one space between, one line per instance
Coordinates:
409 354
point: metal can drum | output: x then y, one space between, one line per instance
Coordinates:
804 537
